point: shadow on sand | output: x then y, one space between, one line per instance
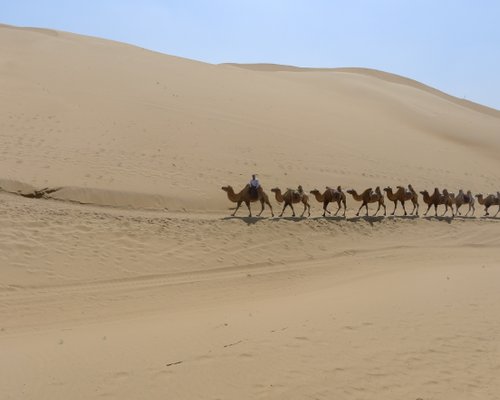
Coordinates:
366 218
329 218
439 218
294 219
403 217
248 220
493 217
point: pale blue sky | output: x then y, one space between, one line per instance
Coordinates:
453 46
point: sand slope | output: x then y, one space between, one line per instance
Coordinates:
165 296
90 113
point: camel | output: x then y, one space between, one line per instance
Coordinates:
330 195
402 195
410 192
246 197
292 196
436 199
461 198
488 201
369 196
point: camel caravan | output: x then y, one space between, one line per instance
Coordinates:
253 192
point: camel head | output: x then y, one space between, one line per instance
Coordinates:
350 191
315 191
424 192
227 188
389 189
479 197
276 190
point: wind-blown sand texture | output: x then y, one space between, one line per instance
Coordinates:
126 278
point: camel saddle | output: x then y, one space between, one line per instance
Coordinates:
254 192
296 195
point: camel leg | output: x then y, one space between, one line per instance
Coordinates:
380 204
446 210
497 211
282 211
262 207
293 211
270 207
237 206
345 207
457 211
404 209
308 210
249 210
436 209
338 209
486 211
325 210
473 209
395 206
428 208
362 205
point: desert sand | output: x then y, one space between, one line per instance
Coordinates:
129 279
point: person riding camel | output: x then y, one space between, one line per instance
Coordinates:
254 186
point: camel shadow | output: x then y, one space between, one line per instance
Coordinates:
403 217
368 218
294 219
439 218
492 217
328 218
466 217
248 220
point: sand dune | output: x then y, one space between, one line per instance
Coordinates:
123 276
89 113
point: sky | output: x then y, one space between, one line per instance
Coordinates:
453 46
